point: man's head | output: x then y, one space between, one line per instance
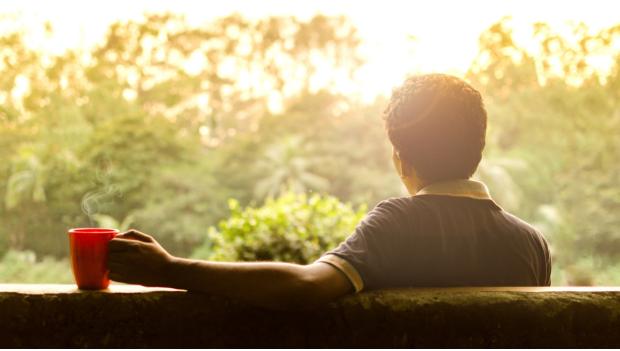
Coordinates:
437 125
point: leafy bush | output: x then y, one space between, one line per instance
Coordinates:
292 228
24 267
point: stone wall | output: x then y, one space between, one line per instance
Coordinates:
129 316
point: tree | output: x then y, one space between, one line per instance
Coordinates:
288 166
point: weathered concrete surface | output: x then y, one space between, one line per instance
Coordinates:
127 316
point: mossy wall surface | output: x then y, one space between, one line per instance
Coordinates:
505 317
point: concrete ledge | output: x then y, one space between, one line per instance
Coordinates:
130 316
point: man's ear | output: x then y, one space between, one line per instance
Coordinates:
403 169
396 162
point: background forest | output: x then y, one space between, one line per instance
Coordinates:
229 141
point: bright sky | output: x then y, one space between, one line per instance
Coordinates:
445 32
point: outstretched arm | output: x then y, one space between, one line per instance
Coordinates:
137 258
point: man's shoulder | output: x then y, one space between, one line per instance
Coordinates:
404 202
395 202
391 209
398 205
524 226
518 221
415 204
403 209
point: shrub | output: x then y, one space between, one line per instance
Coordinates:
25 267
293 228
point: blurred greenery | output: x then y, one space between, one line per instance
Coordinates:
163 124
26 267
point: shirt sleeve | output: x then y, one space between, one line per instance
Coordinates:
365 256
345 268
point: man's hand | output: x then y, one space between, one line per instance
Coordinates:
136 258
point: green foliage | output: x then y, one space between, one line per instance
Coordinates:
24 267
4 244
182 202
288 164
291 228
317 138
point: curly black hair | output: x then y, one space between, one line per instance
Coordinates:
437 124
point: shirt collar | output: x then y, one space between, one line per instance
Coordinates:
460 187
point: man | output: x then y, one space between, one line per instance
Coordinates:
448 233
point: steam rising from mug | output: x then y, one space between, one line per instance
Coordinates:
93 201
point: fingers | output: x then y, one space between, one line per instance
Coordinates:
126 271
121 245
120 271
116 271
117 277
136 235
121 257
115 268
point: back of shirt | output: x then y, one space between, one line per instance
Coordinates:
438 241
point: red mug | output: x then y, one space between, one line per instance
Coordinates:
89 256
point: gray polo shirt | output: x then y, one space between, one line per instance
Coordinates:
448 234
